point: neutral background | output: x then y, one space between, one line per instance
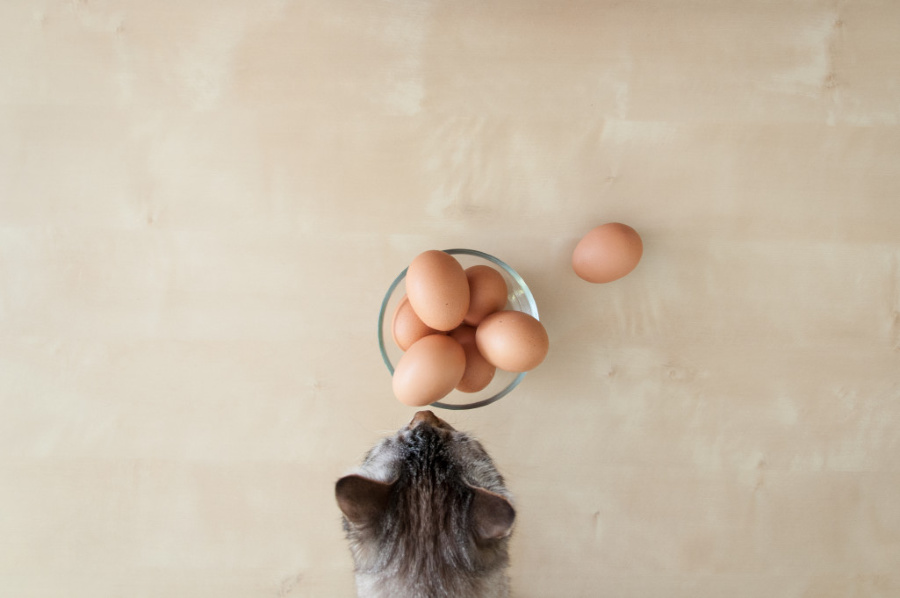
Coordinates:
203 202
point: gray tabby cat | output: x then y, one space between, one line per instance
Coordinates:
427 516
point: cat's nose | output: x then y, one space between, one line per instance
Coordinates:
429 418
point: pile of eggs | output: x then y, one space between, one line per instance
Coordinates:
455 331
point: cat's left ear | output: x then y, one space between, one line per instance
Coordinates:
492 515
362 500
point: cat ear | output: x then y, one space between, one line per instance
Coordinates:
360 499
492 515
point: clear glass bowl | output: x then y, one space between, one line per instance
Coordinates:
519 298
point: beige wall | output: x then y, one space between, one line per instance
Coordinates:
202 203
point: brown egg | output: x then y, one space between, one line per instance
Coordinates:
406 327
429 370
479 372
607 253
512 340
438 290
487 293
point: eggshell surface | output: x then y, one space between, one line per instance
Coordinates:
407 327
607 253
429 370
512 340
438 290
487 293
478 372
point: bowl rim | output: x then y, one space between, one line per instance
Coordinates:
475 253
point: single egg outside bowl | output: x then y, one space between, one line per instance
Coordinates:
518 298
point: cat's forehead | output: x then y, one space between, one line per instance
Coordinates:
431 448
383 460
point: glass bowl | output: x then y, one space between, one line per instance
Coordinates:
518 298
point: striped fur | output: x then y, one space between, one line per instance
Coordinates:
427 516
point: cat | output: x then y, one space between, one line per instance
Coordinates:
427 515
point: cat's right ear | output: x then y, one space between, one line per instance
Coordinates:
361 500
492 514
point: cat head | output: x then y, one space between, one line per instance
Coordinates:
427 507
